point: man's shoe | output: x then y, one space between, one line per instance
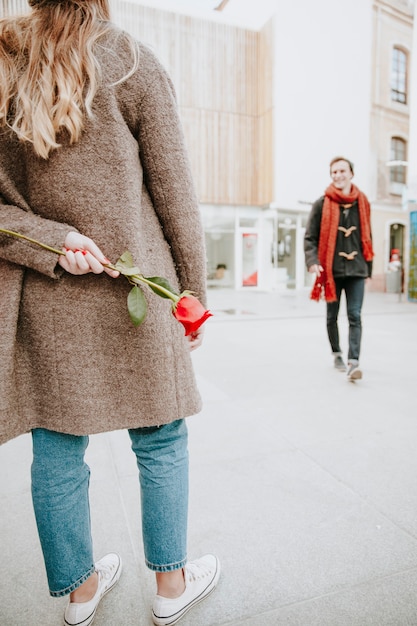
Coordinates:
354 372
201 577
339 363
108 569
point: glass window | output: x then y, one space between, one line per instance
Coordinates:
219 227
248 222
248 217
218 218
399 157
399 76
249 259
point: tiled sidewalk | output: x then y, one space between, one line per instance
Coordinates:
303 484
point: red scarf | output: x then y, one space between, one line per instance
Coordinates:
324 285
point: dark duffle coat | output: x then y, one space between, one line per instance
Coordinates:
71 360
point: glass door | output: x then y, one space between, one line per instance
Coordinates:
250 260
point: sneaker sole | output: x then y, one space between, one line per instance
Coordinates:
89 620
356 375
173 619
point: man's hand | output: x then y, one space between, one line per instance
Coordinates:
316 269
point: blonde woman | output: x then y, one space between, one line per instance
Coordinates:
92 161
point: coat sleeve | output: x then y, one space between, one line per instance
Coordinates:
168 178
24 253
312 234
16 215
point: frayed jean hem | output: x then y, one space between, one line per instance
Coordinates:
166 568
74 586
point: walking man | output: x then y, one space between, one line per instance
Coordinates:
338 250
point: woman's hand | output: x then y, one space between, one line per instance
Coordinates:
196 338
82 256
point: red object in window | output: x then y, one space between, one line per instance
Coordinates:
251 281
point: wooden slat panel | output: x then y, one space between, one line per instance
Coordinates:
266 115
221 79
213 66
13 7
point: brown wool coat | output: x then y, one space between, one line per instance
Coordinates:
71 360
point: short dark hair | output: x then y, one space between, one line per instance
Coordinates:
342 158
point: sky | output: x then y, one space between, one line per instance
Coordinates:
250 14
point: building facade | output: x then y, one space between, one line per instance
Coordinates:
390 137
265 110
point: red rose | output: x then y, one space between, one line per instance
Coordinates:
187 309
190 313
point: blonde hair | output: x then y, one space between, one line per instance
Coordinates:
49 73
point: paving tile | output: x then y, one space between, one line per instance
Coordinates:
302 483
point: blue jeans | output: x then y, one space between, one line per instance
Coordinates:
60 481
354 289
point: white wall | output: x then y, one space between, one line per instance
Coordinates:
322 94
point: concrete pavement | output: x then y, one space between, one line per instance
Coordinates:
303 484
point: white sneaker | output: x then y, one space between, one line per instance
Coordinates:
354 372
108 569
201 577
339 363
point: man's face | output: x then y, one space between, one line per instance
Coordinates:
341 175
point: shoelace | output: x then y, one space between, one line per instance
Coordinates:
194 571
106 571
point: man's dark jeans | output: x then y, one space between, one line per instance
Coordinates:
354 289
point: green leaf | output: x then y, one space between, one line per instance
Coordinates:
128 271
126 266
136 305
126 259
159 280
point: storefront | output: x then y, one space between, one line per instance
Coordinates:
255 248
412 276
